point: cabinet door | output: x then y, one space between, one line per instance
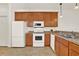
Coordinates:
18 16
64 42
28 16
38 16
60 48
54 19
63 50
57 48
29 41
47 39
47 19
73 49
73 53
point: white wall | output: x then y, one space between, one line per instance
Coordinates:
69 22
4 25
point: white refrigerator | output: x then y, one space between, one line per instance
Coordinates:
18 35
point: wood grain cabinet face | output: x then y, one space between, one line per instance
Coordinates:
50 18
29 18
61 49
47 39
18 16
73 53
57 46
47 19
29 40
38 16
73 49
65 48
54 19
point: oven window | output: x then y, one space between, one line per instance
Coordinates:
38 37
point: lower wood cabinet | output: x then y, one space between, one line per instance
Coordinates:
63 50
57 48
29 41
64 47
73 53
60 48
47 39
73 49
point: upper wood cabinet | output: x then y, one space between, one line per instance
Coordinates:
50 18
47 19
19 16
29 18
54 19
37 16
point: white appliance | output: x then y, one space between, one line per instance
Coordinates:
40 30
52 42
38 35
18 36
38 39
38 24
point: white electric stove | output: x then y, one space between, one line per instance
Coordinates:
38 35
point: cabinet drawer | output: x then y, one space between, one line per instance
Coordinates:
74 47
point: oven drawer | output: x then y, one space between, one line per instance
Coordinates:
38 44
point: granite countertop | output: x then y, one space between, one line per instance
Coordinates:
74 40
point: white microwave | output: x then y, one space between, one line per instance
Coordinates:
38 24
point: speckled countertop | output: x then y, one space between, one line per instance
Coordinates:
74 40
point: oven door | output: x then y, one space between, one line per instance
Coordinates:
38 37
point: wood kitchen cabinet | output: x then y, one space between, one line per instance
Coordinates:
73 49
50 18
18 16
73 53
38 16
54 19
61 49
47 19
64 47
29 18
47 39
29 41
57 46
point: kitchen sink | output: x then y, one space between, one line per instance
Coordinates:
69 36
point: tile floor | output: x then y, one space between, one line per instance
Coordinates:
28 51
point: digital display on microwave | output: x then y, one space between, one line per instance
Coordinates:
38 24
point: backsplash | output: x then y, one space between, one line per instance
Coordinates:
27 29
